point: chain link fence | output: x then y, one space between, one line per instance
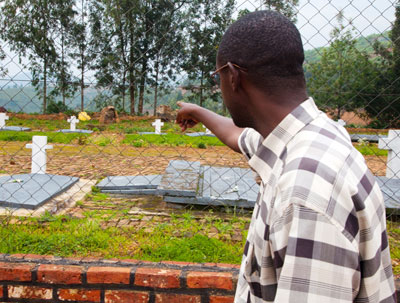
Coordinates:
82 83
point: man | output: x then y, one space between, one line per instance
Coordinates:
318 230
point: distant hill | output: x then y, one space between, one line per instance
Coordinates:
363 44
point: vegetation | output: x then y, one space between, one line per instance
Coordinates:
181 236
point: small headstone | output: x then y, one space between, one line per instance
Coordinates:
39 146
3 118
341 122
73 121
392 145
208 132
108 115
157 126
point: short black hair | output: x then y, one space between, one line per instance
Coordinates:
269 45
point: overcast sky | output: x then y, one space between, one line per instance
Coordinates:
316 18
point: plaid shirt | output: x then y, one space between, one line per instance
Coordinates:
318 231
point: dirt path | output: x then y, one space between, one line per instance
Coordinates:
94 162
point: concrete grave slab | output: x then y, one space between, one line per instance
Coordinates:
369 138
15 128
392 145
150 133
82 131
200 134
181 178
30 191
133 185
390 188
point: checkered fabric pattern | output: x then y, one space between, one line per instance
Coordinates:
318 231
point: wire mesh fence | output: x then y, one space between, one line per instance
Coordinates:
82 84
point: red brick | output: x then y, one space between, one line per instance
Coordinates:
221 299
29 292
108 275
219 280
15 271
79 295
157 277
126 296
1 291
174 298
60 274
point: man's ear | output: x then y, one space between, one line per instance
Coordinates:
234 77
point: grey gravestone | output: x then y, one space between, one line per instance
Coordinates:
369 138
134 185
15 128
391 191
32 190
181 178
200 134
150 133
82 131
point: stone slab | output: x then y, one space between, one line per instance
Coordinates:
138 192
181 178
200 134
30 191
391 191
129 182
369 138
150 133
59 204
81 131
15 128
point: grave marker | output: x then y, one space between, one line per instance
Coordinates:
73 121
3 118
341 122
39 146
208 132
157 125
392 145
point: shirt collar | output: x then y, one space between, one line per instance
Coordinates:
274 145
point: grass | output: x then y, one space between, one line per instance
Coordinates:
171 140
370 149
63 138
179 237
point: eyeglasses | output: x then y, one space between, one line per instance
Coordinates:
215 75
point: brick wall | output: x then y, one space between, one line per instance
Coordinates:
34 278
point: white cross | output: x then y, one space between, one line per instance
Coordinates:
341 122
3 118
73 120
39 146
392 144
208 132
157 125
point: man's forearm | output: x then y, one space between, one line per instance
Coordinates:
222 127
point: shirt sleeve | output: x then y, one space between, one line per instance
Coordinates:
249 141
314 261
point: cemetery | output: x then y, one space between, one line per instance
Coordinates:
149 180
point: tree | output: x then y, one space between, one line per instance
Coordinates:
209 20
343 76
3 70
65 85
114 30
285 7
384 107
30 28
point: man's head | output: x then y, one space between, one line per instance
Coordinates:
268 49
269 46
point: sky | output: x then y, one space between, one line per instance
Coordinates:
315 20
